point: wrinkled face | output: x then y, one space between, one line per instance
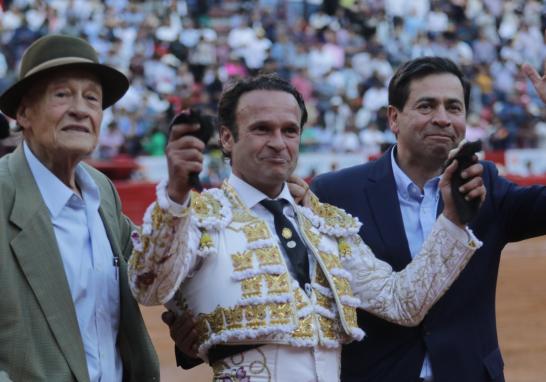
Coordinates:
61 115
266 151
432 121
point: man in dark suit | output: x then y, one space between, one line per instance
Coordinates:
395 198
66 311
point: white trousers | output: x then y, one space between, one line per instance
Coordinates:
280 363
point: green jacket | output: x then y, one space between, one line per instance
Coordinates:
39 334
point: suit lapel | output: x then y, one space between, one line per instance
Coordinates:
383 203
38 255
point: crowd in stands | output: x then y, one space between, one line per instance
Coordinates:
339 54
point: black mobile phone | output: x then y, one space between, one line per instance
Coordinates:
206 129
467 209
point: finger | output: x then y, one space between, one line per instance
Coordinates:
476 193
471 185
297 180
455 150
182 129
472 171
187 155
189 344
186 141
168 317
532 74
448 173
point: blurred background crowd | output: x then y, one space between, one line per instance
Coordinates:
339 54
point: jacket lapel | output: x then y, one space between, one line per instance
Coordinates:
383 203
38 255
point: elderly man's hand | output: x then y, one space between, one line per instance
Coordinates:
183 332
472 188
538 82
184 156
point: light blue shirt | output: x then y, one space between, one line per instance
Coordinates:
418 215
88 263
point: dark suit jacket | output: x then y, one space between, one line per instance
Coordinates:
39 334
459 332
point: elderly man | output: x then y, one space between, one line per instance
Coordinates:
274 286
397 198
67 312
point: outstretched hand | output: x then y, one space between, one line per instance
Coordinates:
472 188
539 82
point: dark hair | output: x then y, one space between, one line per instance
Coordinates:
418 68
227 106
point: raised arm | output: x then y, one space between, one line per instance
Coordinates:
405 297
166 249
538 81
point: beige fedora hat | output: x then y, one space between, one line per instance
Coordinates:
52 52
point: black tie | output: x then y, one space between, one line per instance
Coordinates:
290 240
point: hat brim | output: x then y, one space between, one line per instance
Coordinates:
114 85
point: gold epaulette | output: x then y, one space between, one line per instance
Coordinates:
204 205
333 219
210 208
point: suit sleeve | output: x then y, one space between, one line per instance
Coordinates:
405 297
521 211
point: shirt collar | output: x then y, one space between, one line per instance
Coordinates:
250 196
406 188
54 192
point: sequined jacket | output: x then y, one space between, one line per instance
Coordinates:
220 260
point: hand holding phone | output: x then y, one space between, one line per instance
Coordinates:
206 129
466 209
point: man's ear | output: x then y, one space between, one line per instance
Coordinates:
226 140
22 115
392 116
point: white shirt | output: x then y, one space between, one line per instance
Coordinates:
88 263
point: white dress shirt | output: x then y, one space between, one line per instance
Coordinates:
89 265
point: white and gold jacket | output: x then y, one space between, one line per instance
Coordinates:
220 260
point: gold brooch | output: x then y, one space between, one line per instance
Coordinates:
286 233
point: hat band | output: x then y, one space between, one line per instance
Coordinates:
58 62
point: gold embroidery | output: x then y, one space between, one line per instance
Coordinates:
205 205
277 284
255 316
305 328
252 287
350 315
256 230
268 255
342 286
330 260
205 241
320 278
324 301
311 233
333 216
344 248
328 328
234 317
157 217
280 314
241 261
216 320
300 300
